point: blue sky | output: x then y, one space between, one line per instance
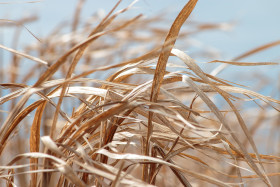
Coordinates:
256 21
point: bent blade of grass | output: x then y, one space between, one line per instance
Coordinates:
168 45
161 66
35 141
12 115
5 134
82 90
198 71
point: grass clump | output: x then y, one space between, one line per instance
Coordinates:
117 104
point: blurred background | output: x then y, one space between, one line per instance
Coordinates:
255 21
244 25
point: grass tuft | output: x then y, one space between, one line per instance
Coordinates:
113 102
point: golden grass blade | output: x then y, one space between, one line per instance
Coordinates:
251 141
198 71
168 45
161 66
245 55
53 68
256 50
35 142
5 134
245 63
12 115
35 59
14 94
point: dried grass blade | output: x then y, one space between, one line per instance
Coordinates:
35 141
256 50
244 55
168 45
161 66
5 135
245 63
35 59
12 95
52 69
13 113
198 71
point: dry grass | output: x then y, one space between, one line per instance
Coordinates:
111 108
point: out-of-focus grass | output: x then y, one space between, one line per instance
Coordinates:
110 108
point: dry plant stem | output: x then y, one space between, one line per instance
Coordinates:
160 70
